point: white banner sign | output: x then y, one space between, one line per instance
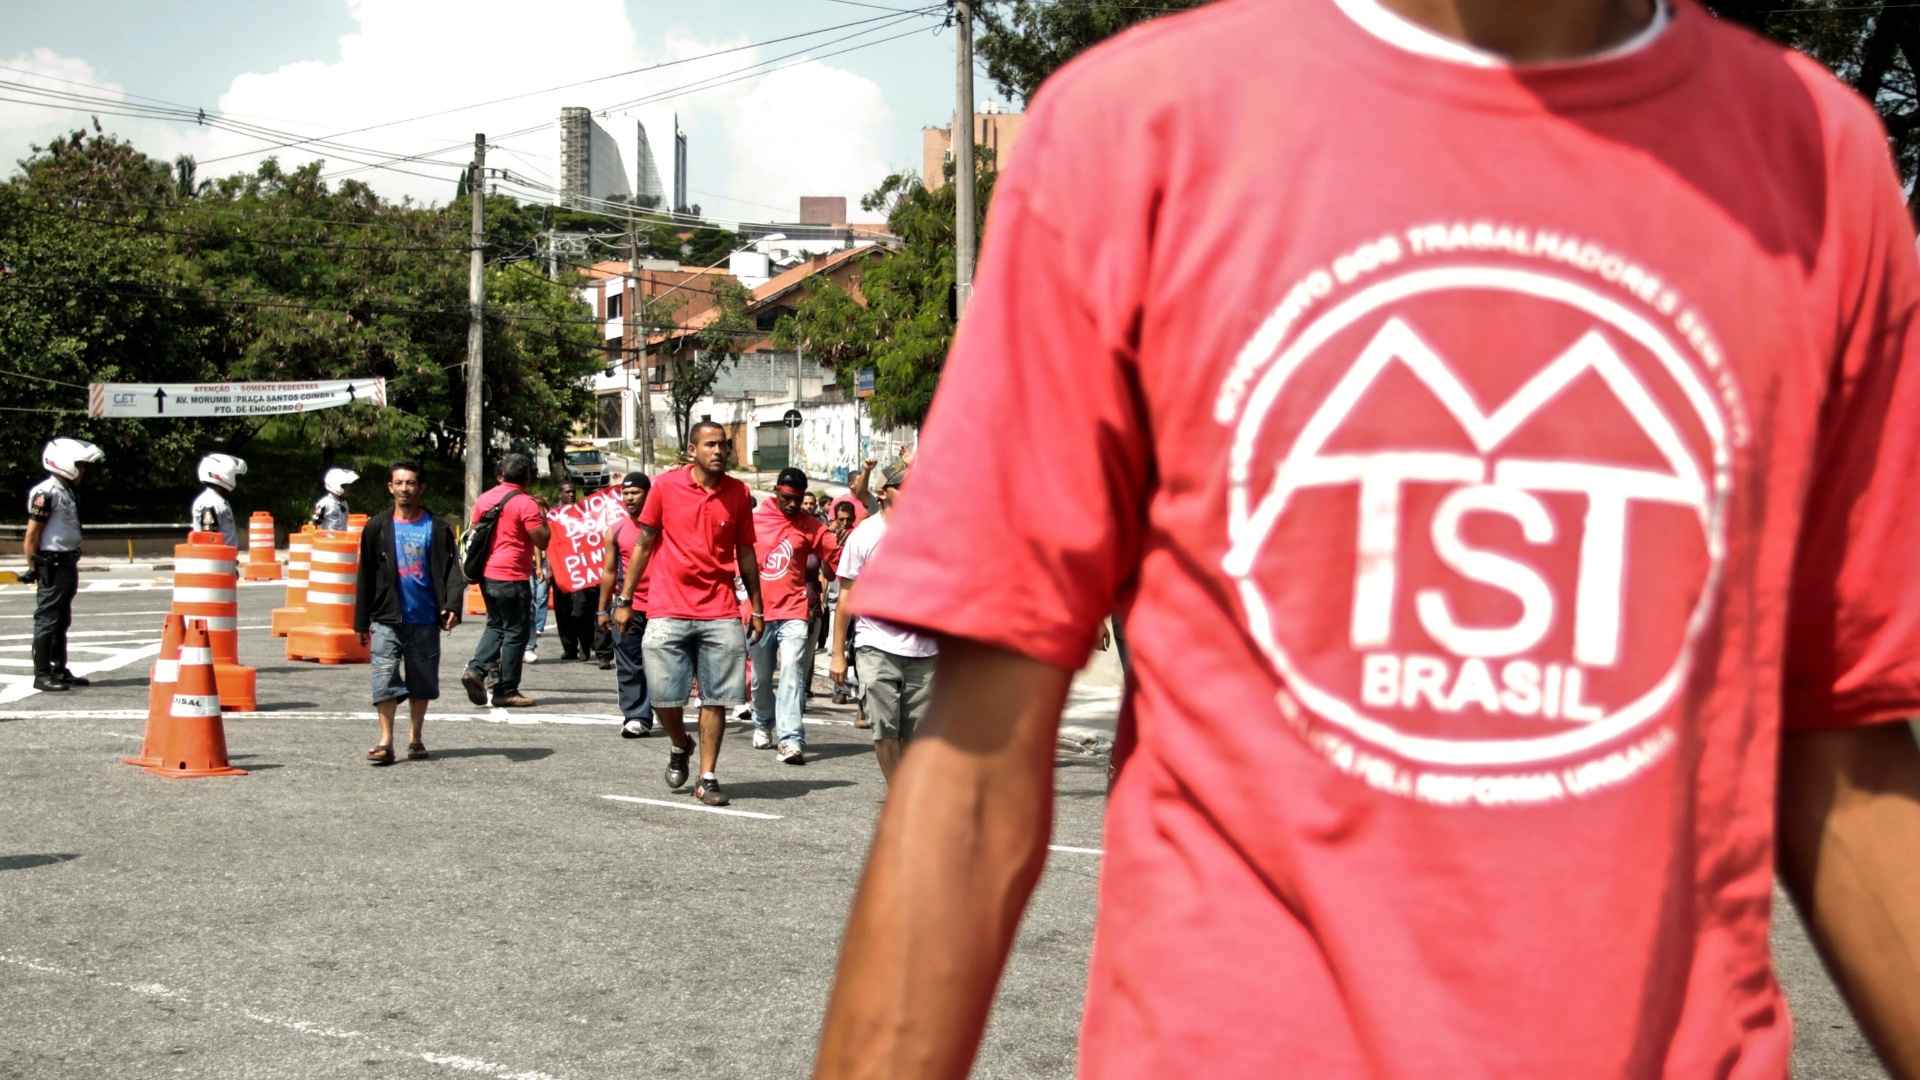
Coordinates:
149 400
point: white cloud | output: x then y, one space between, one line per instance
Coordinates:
22 125
766 140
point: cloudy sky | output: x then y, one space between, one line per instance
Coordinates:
767 120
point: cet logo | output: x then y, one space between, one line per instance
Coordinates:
1476 525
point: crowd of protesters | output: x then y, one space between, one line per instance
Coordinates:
703 597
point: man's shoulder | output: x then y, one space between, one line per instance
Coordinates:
866 534
1129 68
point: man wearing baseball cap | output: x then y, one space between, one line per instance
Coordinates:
789 540
894 663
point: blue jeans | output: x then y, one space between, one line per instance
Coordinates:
786 639
630 671
539 606
679 650
509 618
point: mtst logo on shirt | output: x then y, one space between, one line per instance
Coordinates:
1476 525
778 561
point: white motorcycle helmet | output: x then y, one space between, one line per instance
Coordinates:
221 470
336 481
63 457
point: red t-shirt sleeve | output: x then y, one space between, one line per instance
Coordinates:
1853 640
650 510
1024 510
743 531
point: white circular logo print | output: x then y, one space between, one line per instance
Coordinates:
1476 524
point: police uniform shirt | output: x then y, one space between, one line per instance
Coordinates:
51 502
330 512
212 513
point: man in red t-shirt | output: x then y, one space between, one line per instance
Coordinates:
507 585
791 540
1509 508
696 534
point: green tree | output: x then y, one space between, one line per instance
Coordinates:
88 293
692 372
906 326
1024 42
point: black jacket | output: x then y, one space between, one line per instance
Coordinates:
377 598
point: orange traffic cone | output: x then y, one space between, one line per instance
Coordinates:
193 742
164 675
262 564
476 603
328 636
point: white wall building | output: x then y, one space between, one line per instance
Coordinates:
660 156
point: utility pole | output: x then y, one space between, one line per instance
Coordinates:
636 331
963 239
476 322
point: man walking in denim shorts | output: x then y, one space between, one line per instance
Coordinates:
410 589
696 530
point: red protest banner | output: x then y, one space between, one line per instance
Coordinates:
578 547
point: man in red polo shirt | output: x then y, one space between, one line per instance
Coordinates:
1508 498
507 585
696 533
792 540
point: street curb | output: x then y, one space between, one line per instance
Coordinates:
1093 742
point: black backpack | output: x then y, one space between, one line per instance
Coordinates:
477 545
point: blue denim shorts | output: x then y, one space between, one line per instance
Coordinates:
406 662
676 650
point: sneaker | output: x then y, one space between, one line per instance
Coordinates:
634 729
791 755
529 657
708 791
677 767
743 714
513 701
762 739
606 663
476 685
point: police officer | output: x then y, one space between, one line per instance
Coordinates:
53 558
211 511
330 510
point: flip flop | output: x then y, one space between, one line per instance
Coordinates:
380 755
416 752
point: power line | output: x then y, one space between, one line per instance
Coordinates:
586 82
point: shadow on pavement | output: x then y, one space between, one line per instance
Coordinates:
781 789
98 683
284 706
839 750
516 754
28 862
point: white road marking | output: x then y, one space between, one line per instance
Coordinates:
18 687
692 806
1075 850
304 1027
97 614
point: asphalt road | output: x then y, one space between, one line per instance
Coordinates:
503 910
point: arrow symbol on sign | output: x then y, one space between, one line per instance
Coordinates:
160 400
349 391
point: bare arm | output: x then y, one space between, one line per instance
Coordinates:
31 545
749 563
861 488
960 845
539 535
1849 834
842 622
606 578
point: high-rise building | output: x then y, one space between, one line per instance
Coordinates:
660 158
590 163
992 130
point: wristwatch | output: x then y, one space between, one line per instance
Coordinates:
622 601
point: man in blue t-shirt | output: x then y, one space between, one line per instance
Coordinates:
410 589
